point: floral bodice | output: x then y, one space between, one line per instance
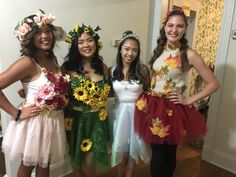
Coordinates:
167 75
49 91
88 94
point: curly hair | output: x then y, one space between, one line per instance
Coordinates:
29 49
161 41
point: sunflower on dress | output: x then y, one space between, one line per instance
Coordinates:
90 94
86 120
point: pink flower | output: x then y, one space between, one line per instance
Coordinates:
37 19
46 92
52 96
48 19
51 77
28 20
23 30
39 101
60 86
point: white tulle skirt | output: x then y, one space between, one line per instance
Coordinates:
38 140
125 141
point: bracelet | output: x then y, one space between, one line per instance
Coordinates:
18 115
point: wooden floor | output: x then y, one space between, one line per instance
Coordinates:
189 164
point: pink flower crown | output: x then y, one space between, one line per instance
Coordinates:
28 23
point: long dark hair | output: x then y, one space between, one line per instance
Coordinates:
161 41
134 70
73 60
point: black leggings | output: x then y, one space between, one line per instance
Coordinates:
163 160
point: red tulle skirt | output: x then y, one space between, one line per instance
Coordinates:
158 120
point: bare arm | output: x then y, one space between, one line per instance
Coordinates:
212 84
146 76
18 71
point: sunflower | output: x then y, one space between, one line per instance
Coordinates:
93 103
86 145
90 86
102 114
80 94
82 81
106 90
68 123
86 30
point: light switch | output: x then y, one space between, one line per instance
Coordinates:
233 34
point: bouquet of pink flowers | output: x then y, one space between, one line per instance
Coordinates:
53 95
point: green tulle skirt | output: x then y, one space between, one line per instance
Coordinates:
88 138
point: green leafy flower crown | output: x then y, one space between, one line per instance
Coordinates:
78 30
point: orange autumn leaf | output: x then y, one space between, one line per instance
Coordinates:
141 104
155 130
164 131
173 62
161 131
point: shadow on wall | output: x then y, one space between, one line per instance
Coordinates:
229 106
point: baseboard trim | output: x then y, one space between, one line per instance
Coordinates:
206 153
60 169
220 159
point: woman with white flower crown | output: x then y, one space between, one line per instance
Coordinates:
86 119
37 128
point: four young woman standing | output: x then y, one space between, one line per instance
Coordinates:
163 116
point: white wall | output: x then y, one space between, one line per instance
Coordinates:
220 142
113 16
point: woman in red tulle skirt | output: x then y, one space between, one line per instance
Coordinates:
164 122
164 117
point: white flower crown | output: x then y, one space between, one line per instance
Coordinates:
133 35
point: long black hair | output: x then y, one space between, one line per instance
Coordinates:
135 67
162 40
73 60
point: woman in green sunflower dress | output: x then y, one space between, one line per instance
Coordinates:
86 120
